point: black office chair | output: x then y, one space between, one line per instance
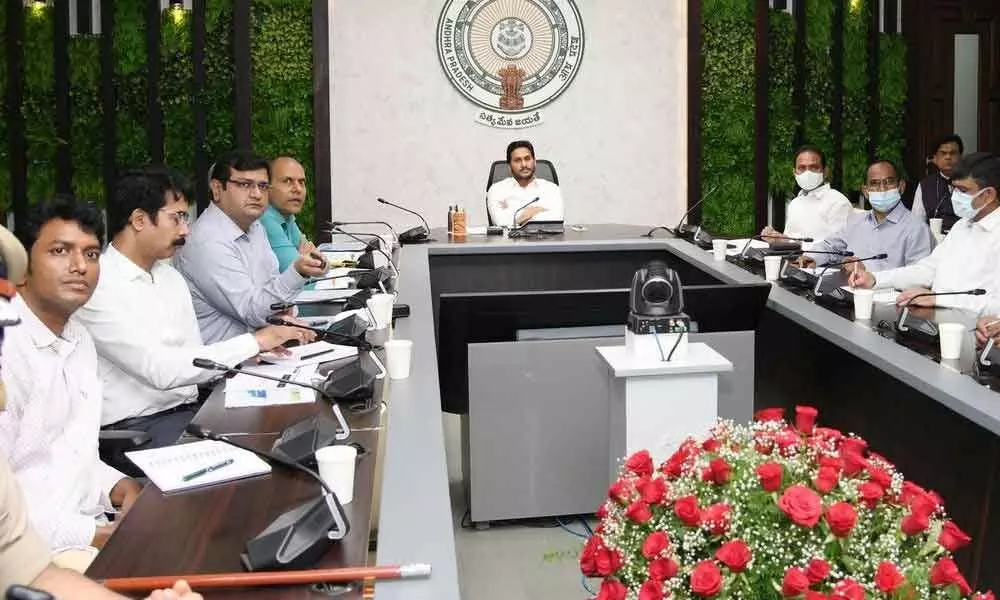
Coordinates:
500 170
114 443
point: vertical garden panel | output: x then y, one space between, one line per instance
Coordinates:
130 83
819 76
781 114
5 199
176 87
856 105
727 116
85 109
38 105
892 98
218 97
282 105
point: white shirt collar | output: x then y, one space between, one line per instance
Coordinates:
43 337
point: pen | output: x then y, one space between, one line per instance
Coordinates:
320 353
207 470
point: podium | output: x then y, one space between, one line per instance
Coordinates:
655 405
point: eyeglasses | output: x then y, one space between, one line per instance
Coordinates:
884 184
179 216
247 184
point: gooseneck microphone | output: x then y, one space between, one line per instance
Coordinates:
339 224
377 248
415 235
677 230
927 327
329 336
743 253
826 267
299 536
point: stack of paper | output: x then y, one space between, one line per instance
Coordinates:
187 466
310 354
324 295
246 390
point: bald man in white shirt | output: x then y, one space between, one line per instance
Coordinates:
522 197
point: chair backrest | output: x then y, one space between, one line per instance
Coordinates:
544 169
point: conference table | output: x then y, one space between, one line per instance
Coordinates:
935 421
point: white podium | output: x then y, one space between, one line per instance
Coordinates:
656 405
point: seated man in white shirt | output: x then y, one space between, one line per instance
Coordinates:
818 211
965 258
142 319
48 433
514 201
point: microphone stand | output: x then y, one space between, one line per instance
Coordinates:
378 248
798 276
928 328
415 235
517 229
340 224
329 336
299 536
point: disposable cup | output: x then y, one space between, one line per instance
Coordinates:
336 469
719 249
397 356
951 335
381 307
863 300
772 266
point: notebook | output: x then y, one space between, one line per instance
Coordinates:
168 466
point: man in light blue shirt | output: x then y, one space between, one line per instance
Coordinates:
888 228
286 199
227 262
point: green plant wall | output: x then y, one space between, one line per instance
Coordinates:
781 112
892 98
282 65
857 16
87 140
819 77
727 119
5 201
38 106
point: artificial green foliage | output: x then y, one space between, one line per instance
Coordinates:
857 16
86 144
727 117
38 105
282 115
130 84
892 98
5 199
781 114
176 86
218 97
819 76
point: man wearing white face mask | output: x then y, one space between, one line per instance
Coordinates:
888 228
965 258
818 211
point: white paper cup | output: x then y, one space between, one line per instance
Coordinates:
397 358
381 307
863 300
378 336
936 225
772 267
336 469
719 249
951 335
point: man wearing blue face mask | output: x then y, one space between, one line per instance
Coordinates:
964 259
888 228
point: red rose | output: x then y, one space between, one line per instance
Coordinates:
945 572
841 518
640 463
834 462
612 589
813 595
888 578
795 583
706 579
735 554
909 492
788 440
588 562
716 517
620 491
817 571
663 568
827 433
639 512
602 512
711 445
854 464
770 476
853 445
674 466
805 418
871 493
607 561
953 538
721 471
879 476
848 589
826 479
655 543
915 523
984 596
926 504
652 491
802 505
687 511
770 414
651 590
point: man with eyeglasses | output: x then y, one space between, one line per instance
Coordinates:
149 381
227 261
964 259
932 199
888 228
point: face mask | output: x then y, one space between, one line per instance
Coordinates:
884 201
962 204
809 180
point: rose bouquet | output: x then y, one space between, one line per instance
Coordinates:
773 510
